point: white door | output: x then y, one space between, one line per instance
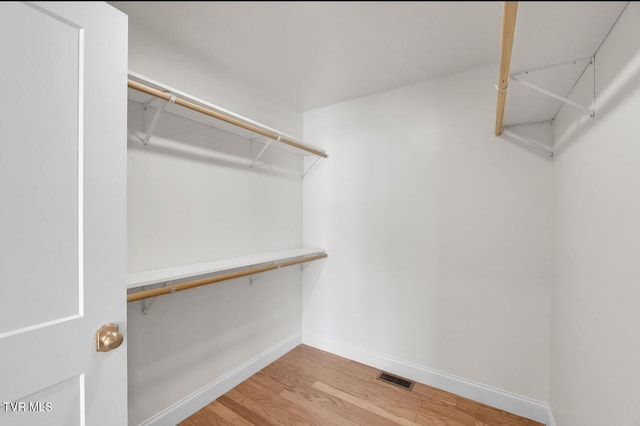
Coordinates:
63 70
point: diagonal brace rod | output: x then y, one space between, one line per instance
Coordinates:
154 122
553 95
262 151
146 303
311 167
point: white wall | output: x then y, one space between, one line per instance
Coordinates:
595 347
159 58
439 235
191 198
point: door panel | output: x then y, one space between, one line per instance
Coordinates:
62 212
39 169
39 408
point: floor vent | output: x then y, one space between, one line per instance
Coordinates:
395 380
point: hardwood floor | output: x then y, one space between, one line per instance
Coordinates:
310 387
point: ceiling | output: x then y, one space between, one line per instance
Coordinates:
312 54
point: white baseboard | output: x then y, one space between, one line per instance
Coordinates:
194 402
550 420
507 401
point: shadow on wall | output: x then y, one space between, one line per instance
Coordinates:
189 140
620 88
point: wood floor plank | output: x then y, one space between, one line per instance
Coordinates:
223 412
343 365
403 407
215 414
290 375
486 414
439 421
246 413
363 404
365 385
267 381
324 415
305 387
522 421
347 410
271 408
310 387
309 372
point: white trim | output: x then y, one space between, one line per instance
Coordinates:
194 402
550 420
507 401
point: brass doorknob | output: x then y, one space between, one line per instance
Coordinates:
108 337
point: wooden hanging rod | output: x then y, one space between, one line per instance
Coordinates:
509 12
221 116
205 281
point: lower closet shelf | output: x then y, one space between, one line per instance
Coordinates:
242 266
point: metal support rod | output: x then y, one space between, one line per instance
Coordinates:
557 64
221 116
311 167
527 141
264 148
147 303
554 96
254 277
191 284
509 12
154 122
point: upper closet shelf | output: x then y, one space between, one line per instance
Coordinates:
145 90
157 276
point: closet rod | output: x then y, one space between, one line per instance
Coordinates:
220 116
191 284
509 12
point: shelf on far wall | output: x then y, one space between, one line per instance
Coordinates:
157 276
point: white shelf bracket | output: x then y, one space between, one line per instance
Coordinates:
311 167
567 101
304 265
254 277
527 141
262 151
147 303
156 118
